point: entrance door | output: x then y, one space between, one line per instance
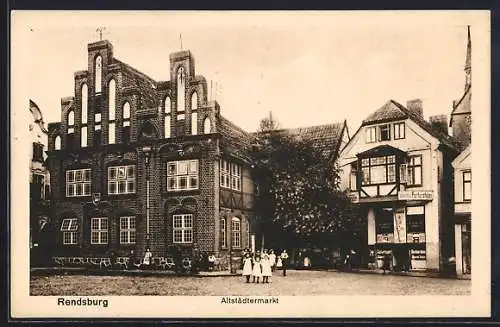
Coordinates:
466 250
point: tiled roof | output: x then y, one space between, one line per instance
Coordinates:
235 139
393 110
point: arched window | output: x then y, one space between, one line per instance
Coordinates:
194 123
112 100
71 118
181 89
98 74
223 236
207 128
167 105
166 119
126 123
85 101
57 143
236 232
194 101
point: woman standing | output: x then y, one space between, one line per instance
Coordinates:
266 269
257 269
272 260
247 267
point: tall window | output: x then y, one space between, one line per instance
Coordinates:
194 123
415 171
98 74
181 89
166 118
399 131
467 187
126 123
415 221
384 132
70 138
183 228
353 177
194 101
371 134
37 151
85 103
182 175
112 111
127 230
121 179
236 232
78 182
83 136
57 143
378 170
97 129
230 175
223 229
69 229
207 128
99 230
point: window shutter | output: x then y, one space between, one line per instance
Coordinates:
403 173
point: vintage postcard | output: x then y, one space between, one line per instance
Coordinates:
305 164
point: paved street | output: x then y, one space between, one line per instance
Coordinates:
295 283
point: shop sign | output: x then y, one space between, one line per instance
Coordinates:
385 238
354 196
415 195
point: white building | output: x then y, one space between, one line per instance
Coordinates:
397 167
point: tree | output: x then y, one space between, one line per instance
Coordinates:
299 197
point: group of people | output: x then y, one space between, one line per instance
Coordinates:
263 264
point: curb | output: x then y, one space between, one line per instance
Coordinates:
405 274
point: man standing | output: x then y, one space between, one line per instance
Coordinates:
284 260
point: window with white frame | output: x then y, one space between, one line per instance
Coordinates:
183 228
384 132
415 171
99 230
230 175
78 182
371 134
121 179
467 185
236 232
399 131
223 228
127 230
69 229
378 170
182 175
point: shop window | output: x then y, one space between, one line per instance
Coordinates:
127 230
384 132
78 182
121 179
183 228
467 185
99 230
69 229
384 221
415 220
415 171
399 131
236 232
378 170
182 175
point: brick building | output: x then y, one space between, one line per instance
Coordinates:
140 163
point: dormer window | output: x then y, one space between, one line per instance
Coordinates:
371 134
399 131
385 132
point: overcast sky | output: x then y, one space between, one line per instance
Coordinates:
308 68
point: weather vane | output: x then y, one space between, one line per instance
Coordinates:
100 30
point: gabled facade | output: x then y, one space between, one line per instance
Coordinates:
139 163
397 167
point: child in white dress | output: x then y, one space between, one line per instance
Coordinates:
266 269
247 267
257 269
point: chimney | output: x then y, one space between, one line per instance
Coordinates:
439 123
416 107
